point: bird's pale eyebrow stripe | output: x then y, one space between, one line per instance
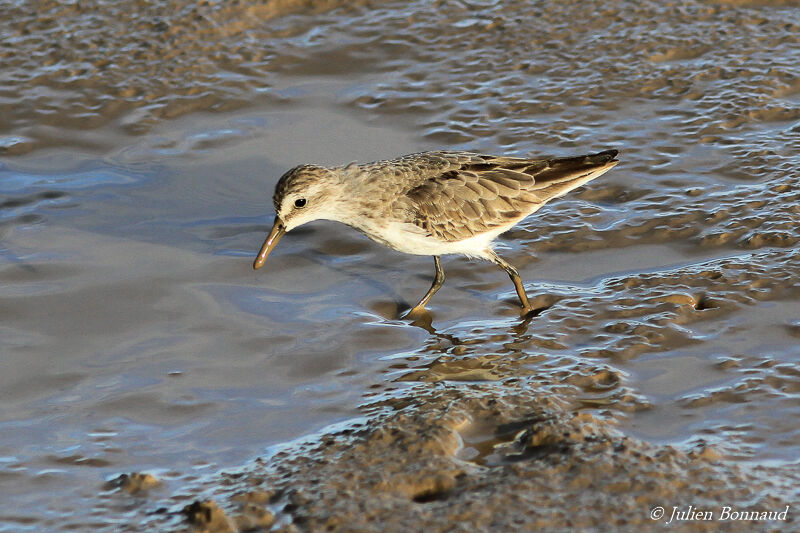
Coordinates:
292 179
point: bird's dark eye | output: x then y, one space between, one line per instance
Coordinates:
300 202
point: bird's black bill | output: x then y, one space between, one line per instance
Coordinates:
274 236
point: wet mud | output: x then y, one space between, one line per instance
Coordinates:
470 459
150 380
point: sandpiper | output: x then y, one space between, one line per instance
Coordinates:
431 203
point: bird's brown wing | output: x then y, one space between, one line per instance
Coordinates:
484 193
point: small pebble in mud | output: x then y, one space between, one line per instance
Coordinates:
134 482
207 516
253 516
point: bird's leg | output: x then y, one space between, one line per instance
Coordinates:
514 275
438 281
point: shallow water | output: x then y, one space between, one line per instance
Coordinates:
135 188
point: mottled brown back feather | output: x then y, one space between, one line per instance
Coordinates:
459 195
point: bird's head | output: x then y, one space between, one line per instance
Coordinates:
304 194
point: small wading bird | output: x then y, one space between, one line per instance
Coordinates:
431 203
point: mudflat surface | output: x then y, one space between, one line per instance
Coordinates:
150 380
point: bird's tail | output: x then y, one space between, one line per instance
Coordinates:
564 174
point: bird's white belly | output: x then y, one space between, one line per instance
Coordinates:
411 240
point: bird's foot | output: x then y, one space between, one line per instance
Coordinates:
420 317
415 313
530 311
